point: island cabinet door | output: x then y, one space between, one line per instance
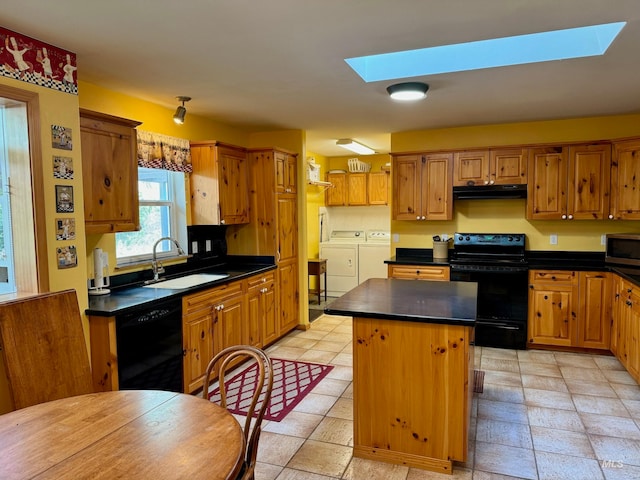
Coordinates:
411 382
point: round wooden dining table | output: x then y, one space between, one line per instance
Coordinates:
127 434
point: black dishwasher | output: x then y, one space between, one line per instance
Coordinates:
149 346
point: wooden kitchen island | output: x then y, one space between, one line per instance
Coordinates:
412 370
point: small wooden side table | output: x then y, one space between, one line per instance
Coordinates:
318 266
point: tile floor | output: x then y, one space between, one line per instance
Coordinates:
542 415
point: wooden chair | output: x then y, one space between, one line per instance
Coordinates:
227 359
44 348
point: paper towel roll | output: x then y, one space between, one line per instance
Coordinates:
100 272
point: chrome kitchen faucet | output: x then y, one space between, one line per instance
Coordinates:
156 266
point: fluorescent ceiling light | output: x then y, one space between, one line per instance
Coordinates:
355 146
498 52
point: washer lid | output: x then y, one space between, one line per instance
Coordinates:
347 236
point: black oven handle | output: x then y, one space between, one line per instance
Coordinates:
503 326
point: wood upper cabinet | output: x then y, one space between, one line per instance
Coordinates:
569 183
503 166
508 166
570 308
471 168
625 181
378 188
336 194
109 173
422 186
286 172
219 184
357 189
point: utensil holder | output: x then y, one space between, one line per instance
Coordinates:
440 250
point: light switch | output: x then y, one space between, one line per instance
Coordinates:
553 239
396 237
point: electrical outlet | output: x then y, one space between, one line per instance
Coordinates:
553 239
194 247
396 237
207 245
603 239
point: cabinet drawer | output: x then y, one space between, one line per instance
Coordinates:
419 272
196 301
258 280
553 276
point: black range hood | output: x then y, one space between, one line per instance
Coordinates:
486 192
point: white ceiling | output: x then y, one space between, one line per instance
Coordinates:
279 64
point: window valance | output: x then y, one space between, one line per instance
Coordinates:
162 151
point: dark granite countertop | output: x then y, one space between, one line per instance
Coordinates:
539 260
452 303
129 298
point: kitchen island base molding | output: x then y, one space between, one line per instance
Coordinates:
399 458
412 392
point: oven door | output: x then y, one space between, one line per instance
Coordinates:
502 305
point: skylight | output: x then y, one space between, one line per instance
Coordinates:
498 52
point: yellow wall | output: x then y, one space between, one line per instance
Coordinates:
508 216
315 200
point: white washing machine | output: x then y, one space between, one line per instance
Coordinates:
372 254
341 253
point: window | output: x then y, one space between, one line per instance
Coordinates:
7 278
161 194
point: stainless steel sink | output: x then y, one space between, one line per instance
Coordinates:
187 281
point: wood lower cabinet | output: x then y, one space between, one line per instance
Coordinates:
625 181
419 272
552 307
109 173
626 326
422 186
212 320
219 184
262 327
289 299
594 310
569 309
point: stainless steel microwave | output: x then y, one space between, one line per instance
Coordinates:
623 248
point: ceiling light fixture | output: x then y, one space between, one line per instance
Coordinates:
181 112
408 91
355 146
